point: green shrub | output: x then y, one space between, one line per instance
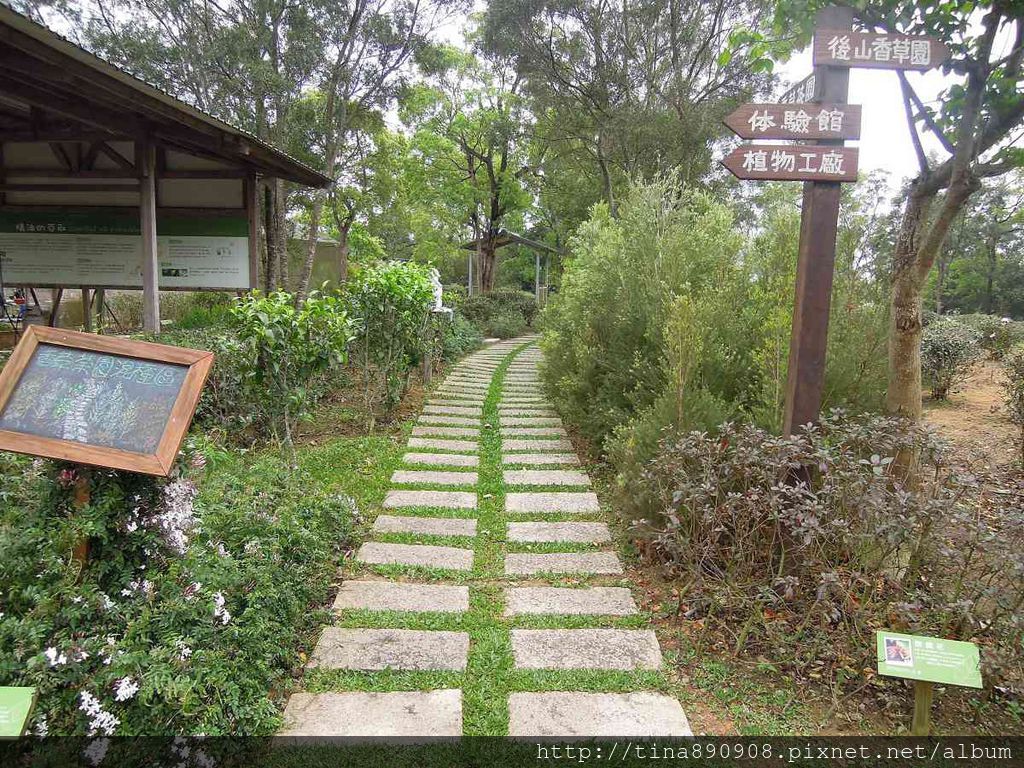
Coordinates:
391 302
505 325
1013 390
518 302
194 606
282 349
803 573
505 312
459 338
997 334
949 349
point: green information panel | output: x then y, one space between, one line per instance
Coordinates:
931 659
15 707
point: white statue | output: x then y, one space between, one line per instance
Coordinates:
435 281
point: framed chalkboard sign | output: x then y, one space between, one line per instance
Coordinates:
99 400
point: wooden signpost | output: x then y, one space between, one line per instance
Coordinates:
926 661
815 110
98 400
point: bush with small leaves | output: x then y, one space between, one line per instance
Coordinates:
949 349
1013 390
798 547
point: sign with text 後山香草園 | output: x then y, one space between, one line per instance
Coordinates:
929 659
873 50
99 400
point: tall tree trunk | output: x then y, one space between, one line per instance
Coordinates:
281 231
990 276
270 273
302 289
486 266
343 251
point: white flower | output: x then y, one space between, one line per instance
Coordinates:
96 751
219 611
41 728
184 652
106 601
100 721
125 689
176 518
76 599
55 659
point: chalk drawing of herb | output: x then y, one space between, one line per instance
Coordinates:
76 425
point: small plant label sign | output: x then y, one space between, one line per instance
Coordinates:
929 659
15 707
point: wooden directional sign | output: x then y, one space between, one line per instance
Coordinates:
805 90
775 162
796 121
843 48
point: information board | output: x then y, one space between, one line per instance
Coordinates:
99 400
931 659
104 250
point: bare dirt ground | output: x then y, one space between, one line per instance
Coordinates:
975 422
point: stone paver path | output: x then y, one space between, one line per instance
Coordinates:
488 518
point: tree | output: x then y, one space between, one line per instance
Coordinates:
625 90
974 122
471 120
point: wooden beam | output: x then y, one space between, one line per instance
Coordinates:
61 154
85 173
133 187
118 158
146 162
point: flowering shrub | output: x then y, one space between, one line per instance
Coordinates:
948 351
193 606
804 572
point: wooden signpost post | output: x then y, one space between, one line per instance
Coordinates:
815 110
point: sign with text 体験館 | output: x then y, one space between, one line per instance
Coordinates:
795 121
801 162
103 249
930 659
873 50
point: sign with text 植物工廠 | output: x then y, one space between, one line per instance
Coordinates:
874 50
929 659
104 249
795 121
775 162
99 400
16 705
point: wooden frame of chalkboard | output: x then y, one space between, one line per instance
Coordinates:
158 462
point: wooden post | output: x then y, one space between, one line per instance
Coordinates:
101 308
57 294
80 553
86 310
147 218
922 722
251 192
536 277
816 258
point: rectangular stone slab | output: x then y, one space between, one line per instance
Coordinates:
453 410
441 459
535 431
526 444
545 477
461 400
519 410
529 421
445 499
585 649
406 714
444 430
457 421
528 564
536 459
552 501
375 649
571 715
380 553
427 526
442 445
432 477
565 601
589 533
402 596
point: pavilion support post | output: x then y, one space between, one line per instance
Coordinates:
147 217
536 277
252 216
86 310
101 308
